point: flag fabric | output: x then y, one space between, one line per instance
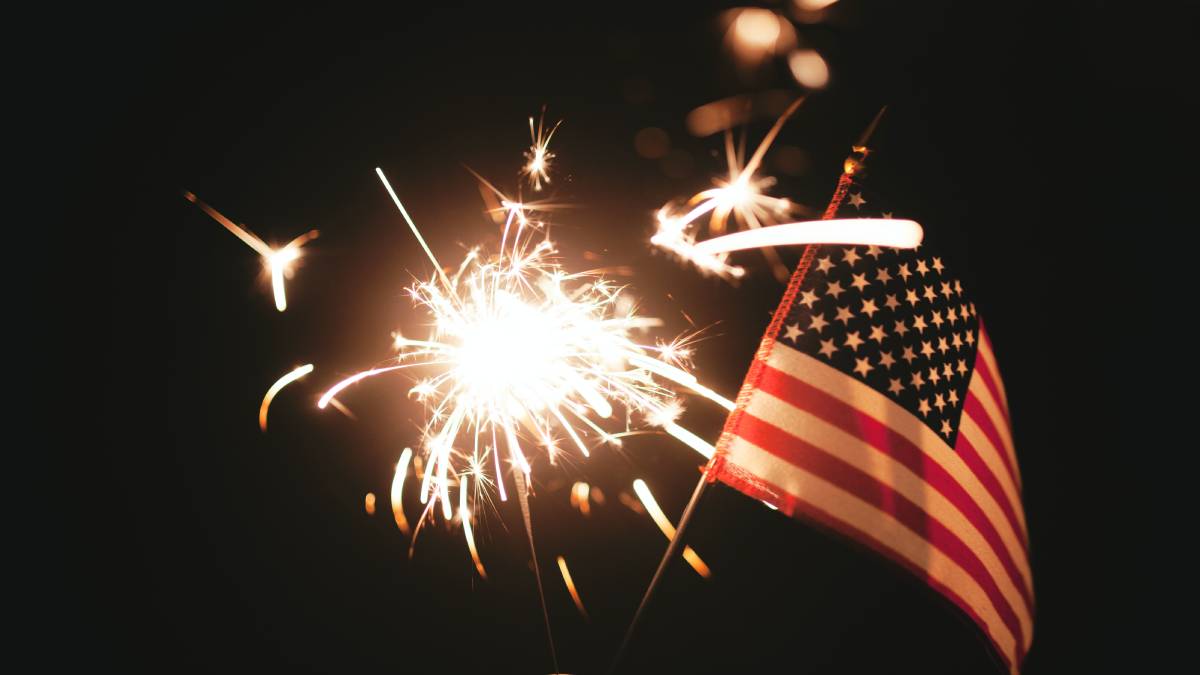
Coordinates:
874 408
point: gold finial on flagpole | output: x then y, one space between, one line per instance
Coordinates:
859 150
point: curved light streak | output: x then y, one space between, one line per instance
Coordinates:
275 388
888 232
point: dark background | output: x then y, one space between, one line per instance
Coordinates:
209 546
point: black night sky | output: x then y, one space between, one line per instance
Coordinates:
213 547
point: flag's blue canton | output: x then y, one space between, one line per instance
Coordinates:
893 318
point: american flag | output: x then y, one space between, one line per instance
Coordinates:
874 408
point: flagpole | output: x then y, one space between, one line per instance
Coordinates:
850 167
672 549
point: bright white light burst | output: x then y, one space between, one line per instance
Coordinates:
742 196
524 354
537 158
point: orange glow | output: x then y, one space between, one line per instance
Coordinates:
809 68
757 28
660 519
730 112
369 503
652 143
757 34
719 115
566 575
631 502
812 5
279 384
892 233
398 490
580 498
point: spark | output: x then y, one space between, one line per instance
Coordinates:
369 503
660 519
566 575
340 407
464 514
278 261
580 493
398 490
537 158
279 384
741 199
522 355
741 196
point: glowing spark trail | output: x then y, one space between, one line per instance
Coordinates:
566 575
398 490
279 384
464 514
278 261
660 519
858 231
538 157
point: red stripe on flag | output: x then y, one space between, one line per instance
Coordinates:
803 395
785 305
974 409
846 476
795 506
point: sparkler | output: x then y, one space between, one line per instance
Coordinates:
523 352
537 158
278 261
741 196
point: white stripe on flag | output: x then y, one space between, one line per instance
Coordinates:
885 529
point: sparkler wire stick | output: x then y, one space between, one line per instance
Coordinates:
852 165
672 548
523 497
